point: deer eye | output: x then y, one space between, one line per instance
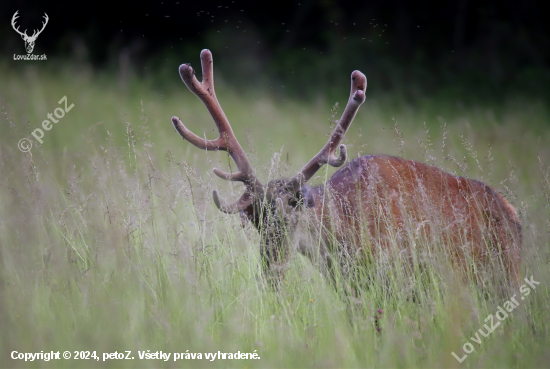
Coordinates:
302 198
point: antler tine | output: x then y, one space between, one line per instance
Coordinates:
326 155
242 203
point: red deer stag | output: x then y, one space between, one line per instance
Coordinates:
374 204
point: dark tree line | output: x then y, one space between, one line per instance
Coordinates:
485 45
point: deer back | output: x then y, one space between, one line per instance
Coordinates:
393 204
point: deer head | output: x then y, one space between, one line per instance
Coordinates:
273 208
29 40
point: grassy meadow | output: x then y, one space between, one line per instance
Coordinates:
110 241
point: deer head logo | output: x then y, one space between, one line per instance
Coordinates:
29 40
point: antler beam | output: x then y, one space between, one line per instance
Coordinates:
326 155
226 141
35 34
13 19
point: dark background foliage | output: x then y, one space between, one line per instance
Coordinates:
480 50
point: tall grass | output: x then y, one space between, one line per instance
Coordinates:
109 240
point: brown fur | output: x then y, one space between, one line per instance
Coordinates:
404 200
